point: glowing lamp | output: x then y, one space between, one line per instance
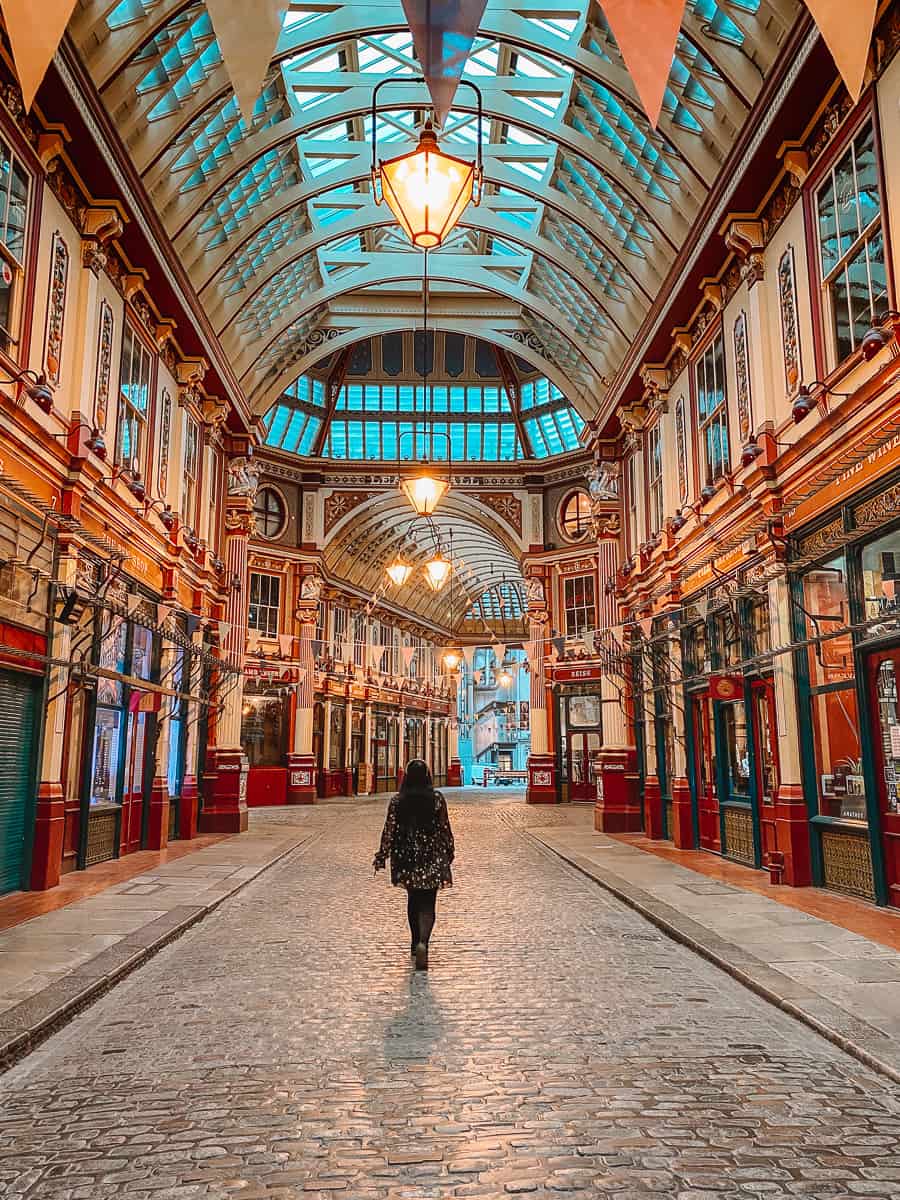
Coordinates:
437 571
504 679
452 659
426 190
398 571
424 491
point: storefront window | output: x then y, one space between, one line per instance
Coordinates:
106 756
264 729
761 627
881 582
175 766
737 750
888 731
766 750
827 608
696 649
727 639
338 731
835 720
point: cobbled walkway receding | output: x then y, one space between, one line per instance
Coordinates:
559 1046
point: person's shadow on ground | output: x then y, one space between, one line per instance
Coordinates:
415 1030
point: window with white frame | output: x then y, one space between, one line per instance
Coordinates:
851 245
191 471
631 500
265 604
712 410
134 401
339 637
655 478
15 199
360 626
579 603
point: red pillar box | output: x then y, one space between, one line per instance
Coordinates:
617 809
158 816
336 783
188 808
682 817
792 835
225 797
50 823
541 779
454 773
653 817
301 784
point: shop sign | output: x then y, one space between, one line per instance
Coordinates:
710 571
878 462
726 687
572 674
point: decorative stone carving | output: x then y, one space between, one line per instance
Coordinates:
790 333
213 412
100 224
681 450
534 592
604 482
748 239
311 588
56 308
243 477
742 373
508 507
165 432
105 333
338 504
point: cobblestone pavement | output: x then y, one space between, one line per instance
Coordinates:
559 1046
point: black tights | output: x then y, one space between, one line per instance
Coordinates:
420 911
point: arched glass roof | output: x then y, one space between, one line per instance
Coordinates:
585 209
478 406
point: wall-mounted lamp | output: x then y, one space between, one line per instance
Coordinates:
35 387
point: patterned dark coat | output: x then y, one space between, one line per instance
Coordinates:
420 858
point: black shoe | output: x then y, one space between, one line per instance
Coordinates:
421 956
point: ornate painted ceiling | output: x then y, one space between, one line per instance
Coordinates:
585 209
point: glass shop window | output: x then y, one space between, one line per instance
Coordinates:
15 200
177 713
265 604
727 639
851 245
134 402
712 410
760 627
696 649
579 603
737 749
338 738
881 583
264 729
834 713
107 753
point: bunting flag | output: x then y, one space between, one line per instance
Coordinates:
588 640
317 647
162 613
646 624
479 675
646 32
247 44
468 656
846 30
499 652
224 629
301 676
702 606
285 642
407 653
347 652
559 644
443 32
192 623
133 603
35 31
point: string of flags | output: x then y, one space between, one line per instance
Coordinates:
645 31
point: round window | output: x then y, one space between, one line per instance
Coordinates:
575 515
268 512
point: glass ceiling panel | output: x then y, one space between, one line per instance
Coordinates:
470 422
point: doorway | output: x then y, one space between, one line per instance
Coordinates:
883 673
18 755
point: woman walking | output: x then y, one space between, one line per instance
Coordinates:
418 838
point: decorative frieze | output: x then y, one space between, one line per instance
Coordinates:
165 432
338 504
507 507
742 373
681 450
790 334
56 309
105 333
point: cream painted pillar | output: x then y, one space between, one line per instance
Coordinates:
348 747
302 767
454 766
188 808
541 763
158 816
50 814
792 829
225 796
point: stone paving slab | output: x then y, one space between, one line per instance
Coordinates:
845 986
54 964
560 1045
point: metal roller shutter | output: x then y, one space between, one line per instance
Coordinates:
18 747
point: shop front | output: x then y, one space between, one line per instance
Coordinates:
265 738
846 604
384 750
578 730
21 696
729 707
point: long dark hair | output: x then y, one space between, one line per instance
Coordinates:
417 807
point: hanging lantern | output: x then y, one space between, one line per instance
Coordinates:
504 679
398 571
452 658
437 571
424 491
426 190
